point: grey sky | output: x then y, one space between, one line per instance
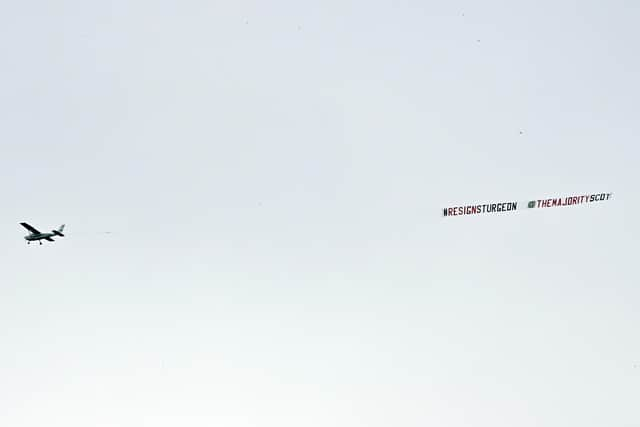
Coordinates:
273 175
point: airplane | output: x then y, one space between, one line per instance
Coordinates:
36 235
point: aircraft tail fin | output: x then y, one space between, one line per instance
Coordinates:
59 231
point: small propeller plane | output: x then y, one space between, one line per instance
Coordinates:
36 235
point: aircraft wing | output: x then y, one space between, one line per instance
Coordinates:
49 239
30 228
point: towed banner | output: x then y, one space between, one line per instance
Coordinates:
512 206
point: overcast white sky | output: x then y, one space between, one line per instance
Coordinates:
272 175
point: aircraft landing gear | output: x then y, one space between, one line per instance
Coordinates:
40 242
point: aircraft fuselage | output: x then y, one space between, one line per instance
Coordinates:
40 236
